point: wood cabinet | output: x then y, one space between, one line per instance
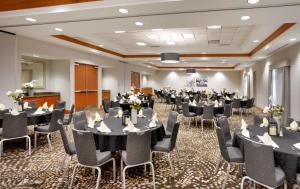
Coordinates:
86 85
40 100
147 91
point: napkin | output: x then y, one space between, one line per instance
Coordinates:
2 107
115 99
131 128
297 145
267 140
152 124
227 98
14 112
98 118
51 108
91 123
141 113
120 113
45 105
154 117
294 126
266 110
246 133
26 106
39 111
244 125
173 96
220 104
103 128
216 103
265 123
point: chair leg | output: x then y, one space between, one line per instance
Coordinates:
189 122
69 159
1 148
35 139
243 181
123 177
218 161
114 170
28 144
73 176
171 166
121 169
285 184
153 175
177 153
202 125
49 141
98 177
226 177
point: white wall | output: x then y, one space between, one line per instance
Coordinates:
230 80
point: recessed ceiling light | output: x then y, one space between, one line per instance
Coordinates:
293 39
139 23
100 45
59 29
245 18
121 31
253 1
36 56
204 58
94 51
141 43
152 36
256 41
157 29
214 27
267 47
203 52
188 35
31 19
223 60
123 11
170 42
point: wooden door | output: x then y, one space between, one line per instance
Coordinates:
80 100
91 77
80 77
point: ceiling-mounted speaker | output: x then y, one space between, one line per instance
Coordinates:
190 70
170 58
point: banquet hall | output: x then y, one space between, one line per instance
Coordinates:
178 94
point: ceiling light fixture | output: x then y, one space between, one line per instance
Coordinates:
170 43
244 18
100 45
157 29
30 19
293 39
141 43
36 56
170 58
59 29
253 1
256 41
123 11
121 31
214 27
152 36
267 47
139 23
188 35
204 58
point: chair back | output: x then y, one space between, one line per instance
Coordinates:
60 105
252 102
259 162
227 110
174 135
222 143
85 147
178 101
113 111
115 104
236 103
14 126
57 114
106 105
208 112
2 112
148 112
80 121
168 99
172 119
289 121
197 97
151 102
185 109
64 138
32 104
71 115
257 120
138 147
224 124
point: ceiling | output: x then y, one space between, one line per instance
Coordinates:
95 23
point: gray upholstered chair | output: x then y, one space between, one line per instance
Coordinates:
208 115
236 105
115 104
69 148
178 103
113 111
68 121
151 102
80 121
224 124
60 105
52 127
297 185
260 166
227 111
106 105
187 114
231 155
138 151
249 105
14 127
32 104
167 145
257 119
172 119
88 156
148 112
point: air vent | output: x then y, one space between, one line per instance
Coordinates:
190 71
213 42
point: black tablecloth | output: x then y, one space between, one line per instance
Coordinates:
199 109
33 119
285 156
116 140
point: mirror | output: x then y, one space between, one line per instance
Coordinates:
33 68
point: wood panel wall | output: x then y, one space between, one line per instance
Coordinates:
40 100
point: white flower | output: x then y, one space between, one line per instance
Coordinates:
18 91
266 110
8 93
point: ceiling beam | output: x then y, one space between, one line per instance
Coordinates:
11 5
194 67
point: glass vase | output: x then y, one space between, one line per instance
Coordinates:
278 122
134 116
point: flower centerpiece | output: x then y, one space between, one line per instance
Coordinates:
209 93
276 112
135 105
17 98
29 87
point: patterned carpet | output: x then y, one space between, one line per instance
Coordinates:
193 170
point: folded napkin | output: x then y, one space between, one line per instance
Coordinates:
103 128
98 118
131 128
154 117
294 126
172 96
297 145
115 99
265 122
227 98
266 110
39 111
246 133
152 124
51 108
220 104
244 125
91 123
267 140
141 113
26 106
2 107
120 114
14 112
45 105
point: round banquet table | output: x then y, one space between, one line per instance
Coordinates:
198 110
286 156
117 139
33 119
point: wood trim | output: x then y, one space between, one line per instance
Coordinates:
195 67
11 5
188 55
283 28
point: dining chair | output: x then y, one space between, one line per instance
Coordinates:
178 103
106 105
138 152
236 105
168 102
172 119
232 155
113 111
50 128
297 185
69 148
208 115
151 102
167 145
32 104
249 105
257 119
115 104
79 120
148 112
260 166
60 105
187 114
88 156
224 124
68 121
14 127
